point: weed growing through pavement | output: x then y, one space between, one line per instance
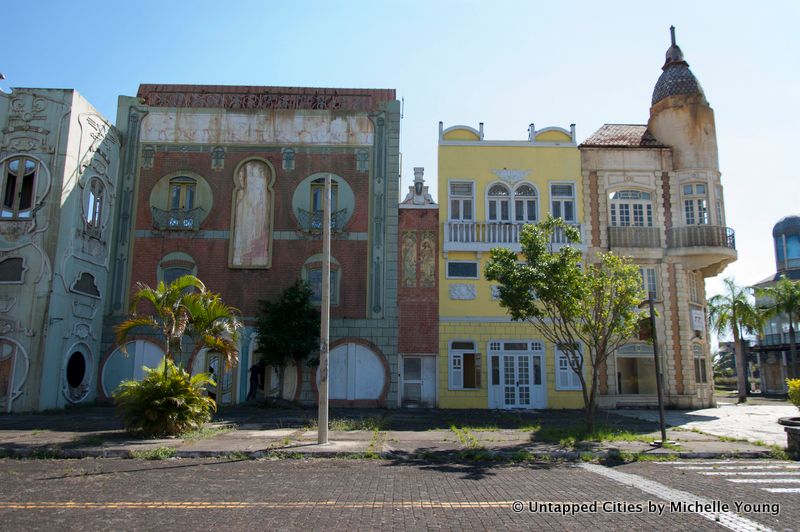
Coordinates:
159 453
207 432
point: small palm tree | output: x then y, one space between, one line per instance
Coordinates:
213 325
170 315
185 308
733 310
784 300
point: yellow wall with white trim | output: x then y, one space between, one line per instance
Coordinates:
482 334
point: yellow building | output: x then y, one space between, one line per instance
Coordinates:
489 189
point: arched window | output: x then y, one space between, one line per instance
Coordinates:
499 203
318 195
94 206
631 208
525 209
312 274
175 265
19 187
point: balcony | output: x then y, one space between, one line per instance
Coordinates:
703 247
177 219
311 222
483 236
776 339
634 237
701 235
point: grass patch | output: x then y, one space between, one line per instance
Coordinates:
615 455
779 453
570 436
466 437
346 424
237 455
159 453
204 433
36 432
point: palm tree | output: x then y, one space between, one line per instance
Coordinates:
213 325
734 311
184 307
784 300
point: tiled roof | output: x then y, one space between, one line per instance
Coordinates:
623 135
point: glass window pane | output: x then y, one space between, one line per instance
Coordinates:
175 202
462 269
412 369
468 209
569 211
455 211
504 211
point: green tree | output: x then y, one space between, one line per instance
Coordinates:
570 305
734 310
288 328
783 300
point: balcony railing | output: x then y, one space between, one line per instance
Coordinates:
701 235
482 236
634 237
177 219
311 222
776 339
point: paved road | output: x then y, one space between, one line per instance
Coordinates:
107 494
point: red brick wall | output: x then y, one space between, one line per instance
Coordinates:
418 306
243 288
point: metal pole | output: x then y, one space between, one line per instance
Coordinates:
659 392
324 333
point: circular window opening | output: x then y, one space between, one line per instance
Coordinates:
76 369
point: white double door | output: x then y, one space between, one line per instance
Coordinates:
517 381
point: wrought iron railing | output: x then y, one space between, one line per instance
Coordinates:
634 237
177 219
311 222
701 235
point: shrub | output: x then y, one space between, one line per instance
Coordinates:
167 402
794 391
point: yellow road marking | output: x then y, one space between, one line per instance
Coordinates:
191 505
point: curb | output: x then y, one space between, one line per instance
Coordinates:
428 456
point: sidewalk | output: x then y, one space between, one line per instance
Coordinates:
430 434
754 423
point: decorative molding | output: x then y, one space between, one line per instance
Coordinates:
9 326
463 291
511 176
7 303
84 309
263 98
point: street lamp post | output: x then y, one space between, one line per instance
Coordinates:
659 391
325 311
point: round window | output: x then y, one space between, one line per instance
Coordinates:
76 369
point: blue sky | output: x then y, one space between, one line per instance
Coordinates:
503 63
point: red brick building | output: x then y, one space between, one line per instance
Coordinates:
226 183
418 295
